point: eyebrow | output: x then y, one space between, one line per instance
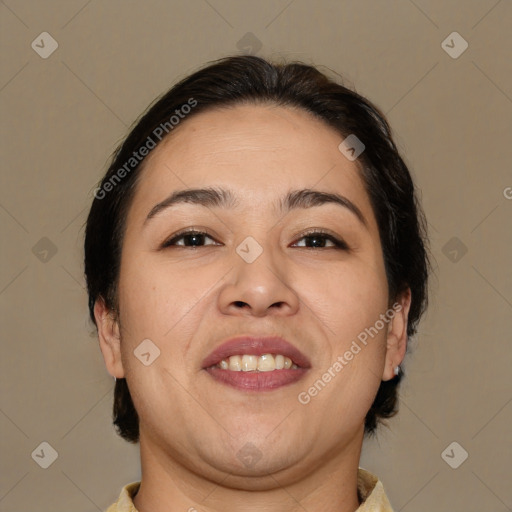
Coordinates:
224 198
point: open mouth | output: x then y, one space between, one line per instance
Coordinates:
253 363
256 364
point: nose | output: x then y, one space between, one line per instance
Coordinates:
259 288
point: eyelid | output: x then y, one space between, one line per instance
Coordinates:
339 243
335 239
187 231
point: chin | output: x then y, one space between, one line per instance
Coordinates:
251 456
261 474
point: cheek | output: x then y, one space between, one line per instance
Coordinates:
154 296
346 298
157 304
164 303
348 302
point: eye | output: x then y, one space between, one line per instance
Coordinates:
318 240
313 240
190 238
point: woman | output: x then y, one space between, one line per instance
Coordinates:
256 262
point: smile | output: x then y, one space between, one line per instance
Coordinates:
256 363
248 372
263 363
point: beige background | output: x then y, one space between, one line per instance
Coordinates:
62 117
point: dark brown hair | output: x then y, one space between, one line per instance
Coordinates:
248 79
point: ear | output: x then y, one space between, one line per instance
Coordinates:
397 334
109 338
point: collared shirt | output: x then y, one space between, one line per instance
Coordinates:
369 489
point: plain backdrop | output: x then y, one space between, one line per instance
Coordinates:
62 116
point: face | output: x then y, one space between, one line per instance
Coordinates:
258 268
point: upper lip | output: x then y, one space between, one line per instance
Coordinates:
256 345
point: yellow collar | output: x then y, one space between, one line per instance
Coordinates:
369 489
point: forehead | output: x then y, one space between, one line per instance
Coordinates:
228 135
259 151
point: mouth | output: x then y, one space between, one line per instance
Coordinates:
256 363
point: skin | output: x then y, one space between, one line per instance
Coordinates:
188 300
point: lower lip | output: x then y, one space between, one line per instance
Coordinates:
257 381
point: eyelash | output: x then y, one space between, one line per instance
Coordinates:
338 243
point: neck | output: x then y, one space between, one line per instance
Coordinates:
328 486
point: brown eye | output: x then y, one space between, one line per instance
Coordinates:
318 240
189 238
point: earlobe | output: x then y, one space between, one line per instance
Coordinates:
109 338
397 335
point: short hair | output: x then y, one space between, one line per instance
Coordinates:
249 80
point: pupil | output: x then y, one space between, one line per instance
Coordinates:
195 237
316 239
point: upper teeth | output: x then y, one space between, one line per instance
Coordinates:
263 363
